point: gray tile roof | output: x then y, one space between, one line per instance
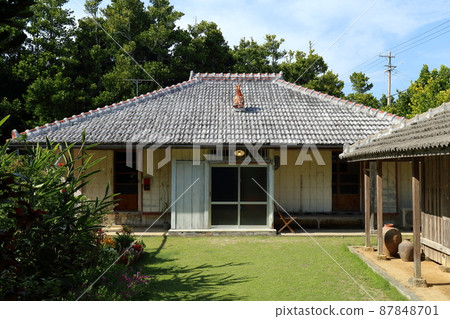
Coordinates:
199 111
425 134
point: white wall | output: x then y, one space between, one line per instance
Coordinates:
404 185
97 186
306 187
157 198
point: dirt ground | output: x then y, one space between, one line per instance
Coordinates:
438 281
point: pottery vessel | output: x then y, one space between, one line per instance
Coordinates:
392 237
406 250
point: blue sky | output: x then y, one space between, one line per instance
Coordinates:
387 24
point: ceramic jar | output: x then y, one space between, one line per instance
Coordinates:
406 250
392 237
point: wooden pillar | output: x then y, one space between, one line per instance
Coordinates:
373 195
396 187
417 279
366 168
380 209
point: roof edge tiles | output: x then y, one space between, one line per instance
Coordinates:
352 151
393 118
68 121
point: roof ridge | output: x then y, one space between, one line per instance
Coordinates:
393 118
430 113
236 76
83 116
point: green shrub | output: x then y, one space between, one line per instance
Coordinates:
123 241
118 284
47 228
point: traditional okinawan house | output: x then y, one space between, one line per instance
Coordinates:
425 142
216 163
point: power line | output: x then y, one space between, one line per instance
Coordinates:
367 67
363 65
376 72
378 63
401 75
423 42
356 67
417 36
338 38
399 92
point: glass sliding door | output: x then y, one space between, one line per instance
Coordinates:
224 180
224 196
224 214
236 197
253 198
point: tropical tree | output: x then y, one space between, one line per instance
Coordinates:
311 71
202 47
161 35
360 82
142 47
46 57
431 89
249 56
361 86
13 17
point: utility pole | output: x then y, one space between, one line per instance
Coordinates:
390 67
137 82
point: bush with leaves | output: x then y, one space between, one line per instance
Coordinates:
118 284
47 227
120 281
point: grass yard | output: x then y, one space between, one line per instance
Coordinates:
258 268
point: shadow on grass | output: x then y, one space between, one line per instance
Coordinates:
185 282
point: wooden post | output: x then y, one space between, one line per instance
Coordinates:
373 195
396 187
380 209
366 168
417 279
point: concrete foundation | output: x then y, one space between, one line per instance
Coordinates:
417 282
222 232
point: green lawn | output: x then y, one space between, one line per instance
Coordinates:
258 268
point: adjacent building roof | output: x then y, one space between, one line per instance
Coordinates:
425 134
200 111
